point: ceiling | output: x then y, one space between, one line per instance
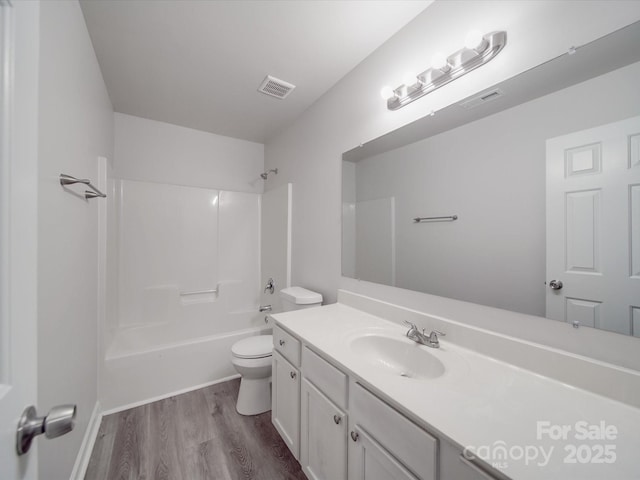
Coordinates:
199 63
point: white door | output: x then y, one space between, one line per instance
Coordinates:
275 244
19 36
593 227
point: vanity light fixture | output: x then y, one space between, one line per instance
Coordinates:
478 50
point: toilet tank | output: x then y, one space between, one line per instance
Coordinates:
296 298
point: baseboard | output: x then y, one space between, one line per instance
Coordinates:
86 447
167 395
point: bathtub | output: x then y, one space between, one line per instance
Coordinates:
146 363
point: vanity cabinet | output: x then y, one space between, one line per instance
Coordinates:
339 430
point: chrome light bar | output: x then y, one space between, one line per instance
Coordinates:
456 65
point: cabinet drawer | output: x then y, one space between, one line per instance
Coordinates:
329 380
407 442
287 345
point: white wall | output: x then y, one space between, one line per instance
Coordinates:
494 180
308 153
275 244
349 219
75 127
153 151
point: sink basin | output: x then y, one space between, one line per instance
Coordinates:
398 356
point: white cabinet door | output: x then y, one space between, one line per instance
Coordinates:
285 409
323 442
369 461
593 227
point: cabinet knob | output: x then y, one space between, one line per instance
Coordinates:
281 342
293 374
337 419
355 436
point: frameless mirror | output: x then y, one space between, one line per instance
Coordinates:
524 197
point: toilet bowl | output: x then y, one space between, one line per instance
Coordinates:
252 357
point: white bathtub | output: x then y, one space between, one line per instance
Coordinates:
145 363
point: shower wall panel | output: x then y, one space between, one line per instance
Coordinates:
176 240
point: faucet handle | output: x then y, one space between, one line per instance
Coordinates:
433 336
410 324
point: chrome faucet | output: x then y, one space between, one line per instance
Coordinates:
417 336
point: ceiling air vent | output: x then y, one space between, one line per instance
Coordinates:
483 98
275 87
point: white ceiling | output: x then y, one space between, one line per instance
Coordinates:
199 63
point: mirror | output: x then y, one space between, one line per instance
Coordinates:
538 180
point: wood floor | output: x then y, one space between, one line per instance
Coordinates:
197 435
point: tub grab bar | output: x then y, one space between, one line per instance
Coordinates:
199 292
427 219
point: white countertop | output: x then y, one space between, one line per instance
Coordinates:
483 402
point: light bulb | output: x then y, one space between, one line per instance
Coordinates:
387 92
475 41
409 79
439 62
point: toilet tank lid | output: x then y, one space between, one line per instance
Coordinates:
253 347
300 296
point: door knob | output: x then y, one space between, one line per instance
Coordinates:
555 284
354 436
60 420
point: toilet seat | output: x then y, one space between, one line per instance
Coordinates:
259 346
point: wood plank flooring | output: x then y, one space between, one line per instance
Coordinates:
194 436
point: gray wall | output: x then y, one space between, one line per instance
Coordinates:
75 127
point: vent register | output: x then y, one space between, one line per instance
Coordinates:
275 87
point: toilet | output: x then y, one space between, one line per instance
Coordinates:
251 356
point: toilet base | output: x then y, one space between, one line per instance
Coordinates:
254 396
